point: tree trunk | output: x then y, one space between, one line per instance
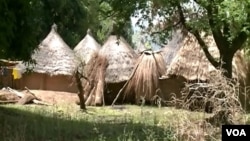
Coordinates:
80 89
226 64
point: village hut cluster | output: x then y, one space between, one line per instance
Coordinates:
116 73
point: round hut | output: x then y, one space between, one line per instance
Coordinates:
85 49
108 71
191 65
54 64
171 85
191 62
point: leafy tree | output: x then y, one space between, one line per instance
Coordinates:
226 20
25 23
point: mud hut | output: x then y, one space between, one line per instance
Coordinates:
191 65
191 62
53 67
85 49
108 71
171 85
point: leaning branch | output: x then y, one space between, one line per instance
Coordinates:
239 40
205 49
198 37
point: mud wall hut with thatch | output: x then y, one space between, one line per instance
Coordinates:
85 49
54 65
108 71
191 62
191 65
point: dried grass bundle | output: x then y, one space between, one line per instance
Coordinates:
94 85
145 79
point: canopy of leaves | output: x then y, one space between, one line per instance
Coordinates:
25 23
228 21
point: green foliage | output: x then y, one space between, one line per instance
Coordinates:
24 24
228 21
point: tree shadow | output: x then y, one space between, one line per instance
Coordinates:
21 125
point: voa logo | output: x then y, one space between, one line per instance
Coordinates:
236 132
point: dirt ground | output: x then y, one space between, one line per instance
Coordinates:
55 97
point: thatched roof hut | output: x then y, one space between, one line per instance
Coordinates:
86 47
191 62
188 63
121 59
53 57
144 81
108 70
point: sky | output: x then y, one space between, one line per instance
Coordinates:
137 36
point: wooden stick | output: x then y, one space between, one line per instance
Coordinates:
22 95
8 102
125 85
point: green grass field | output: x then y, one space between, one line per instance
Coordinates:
68 123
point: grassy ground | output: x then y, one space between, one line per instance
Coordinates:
68 123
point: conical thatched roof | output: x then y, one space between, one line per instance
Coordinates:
191 62
121 59
53 56
86 47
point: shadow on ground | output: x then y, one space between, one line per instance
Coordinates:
21 125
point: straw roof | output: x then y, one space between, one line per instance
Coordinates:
86 47
53 56
144 82
121 59
191 62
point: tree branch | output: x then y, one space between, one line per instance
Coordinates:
226 29
239 40
219 39
205 49
199 39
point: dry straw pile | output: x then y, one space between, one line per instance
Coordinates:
144 81
113 63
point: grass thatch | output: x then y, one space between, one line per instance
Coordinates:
191 62
112 64
86 47
144 81
53 56
121 59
